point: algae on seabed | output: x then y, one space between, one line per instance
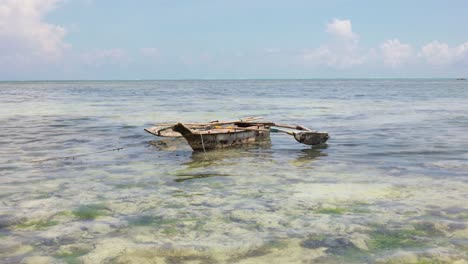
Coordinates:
36 225
90 211
333 211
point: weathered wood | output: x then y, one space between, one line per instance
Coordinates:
236 129
297 127
306 137
162 131
213 135
219 138
214 123
311 137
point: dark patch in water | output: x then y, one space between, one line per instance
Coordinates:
336 246
76 141
7 168
427 229
134 136
456 226
454 210
7 221
186 177
191 259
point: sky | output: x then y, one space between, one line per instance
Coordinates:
241 39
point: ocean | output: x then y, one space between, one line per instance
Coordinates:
82 182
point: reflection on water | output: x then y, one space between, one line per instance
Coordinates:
306 156
213 163
390 186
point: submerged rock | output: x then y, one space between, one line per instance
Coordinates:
332 245
7 221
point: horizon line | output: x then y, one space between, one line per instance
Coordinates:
238 79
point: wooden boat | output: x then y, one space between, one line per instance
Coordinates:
222 137
216 134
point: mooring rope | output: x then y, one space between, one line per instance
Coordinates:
202 143
74 156
129 145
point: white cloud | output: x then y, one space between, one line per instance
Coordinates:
437 53
461 53
25 38
341 29
342 52
441 54
395 53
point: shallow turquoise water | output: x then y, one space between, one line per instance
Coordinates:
389 186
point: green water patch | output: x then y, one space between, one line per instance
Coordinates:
352 208
395 239
330 210
90 211
71 257
418 235
35 225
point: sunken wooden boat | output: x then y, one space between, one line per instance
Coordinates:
222 137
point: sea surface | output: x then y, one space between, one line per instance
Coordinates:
82 182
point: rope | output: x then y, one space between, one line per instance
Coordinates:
202 143
74 156
126 146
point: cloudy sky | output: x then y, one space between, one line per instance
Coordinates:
217 39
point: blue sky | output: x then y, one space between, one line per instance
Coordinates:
208 39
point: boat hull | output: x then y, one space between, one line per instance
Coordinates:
218 140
